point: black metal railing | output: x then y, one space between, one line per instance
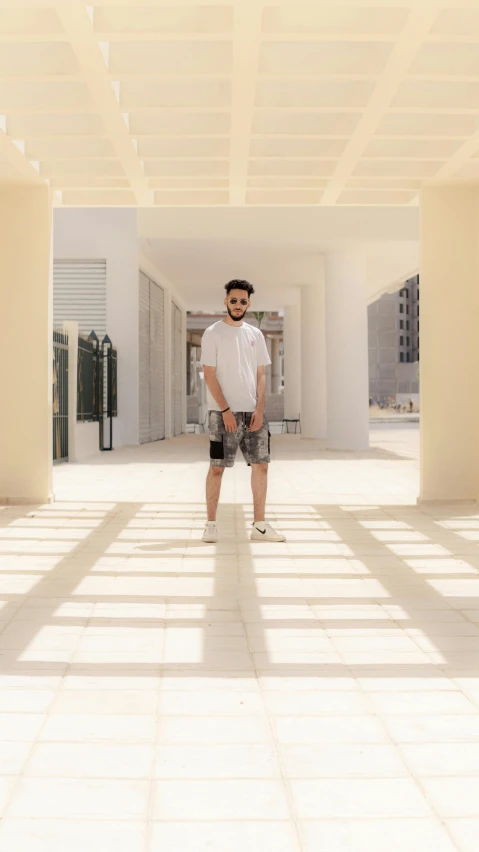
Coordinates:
97 388
60 395
98 384
85 382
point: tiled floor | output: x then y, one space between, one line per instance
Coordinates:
321 695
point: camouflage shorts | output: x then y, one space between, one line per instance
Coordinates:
255 446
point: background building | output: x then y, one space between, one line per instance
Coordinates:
393 339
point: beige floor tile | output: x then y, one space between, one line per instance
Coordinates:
216 761
214 729
362 835
225 800
411 703
272 836
358 798
20 727
210 703
453 797
47 835
67 798
329 729
25 700
440 759
433 729
131 702
342 761
465 833
316 703
120 728
85 760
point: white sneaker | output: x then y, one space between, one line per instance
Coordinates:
265 532
211 532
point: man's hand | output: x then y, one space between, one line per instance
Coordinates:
256 420
230 421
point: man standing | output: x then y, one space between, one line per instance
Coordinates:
234 356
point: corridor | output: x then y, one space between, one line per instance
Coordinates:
321 695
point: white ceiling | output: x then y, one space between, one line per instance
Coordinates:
241 103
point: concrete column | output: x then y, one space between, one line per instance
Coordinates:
267 371
292 361
275 366
347 351
449 317
313 359
26 347
71 329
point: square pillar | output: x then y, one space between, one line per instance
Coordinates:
292 361
347 351
313 358
26 346
449 317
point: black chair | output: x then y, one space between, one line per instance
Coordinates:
287 421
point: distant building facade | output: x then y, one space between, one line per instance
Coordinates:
393 332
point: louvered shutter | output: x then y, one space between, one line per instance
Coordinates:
79 294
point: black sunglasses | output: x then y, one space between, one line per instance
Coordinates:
235 301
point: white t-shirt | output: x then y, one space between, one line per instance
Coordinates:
236 353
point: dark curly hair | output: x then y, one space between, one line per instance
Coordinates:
238 284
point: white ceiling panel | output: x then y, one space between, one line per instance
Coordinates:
301 93
42 58
238 103
199 198
287 147
290 182
183 147
381 198
21 96
333 19
18 21
188 182
452 60
324 57
397 168
175 93
417 125
164 122
170 57
46 124
138 18
93 168
436 149
193 168
457 21
281 197
434 94
317 168
68 147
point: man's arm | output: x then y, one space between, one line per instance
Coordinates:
257 418
215 389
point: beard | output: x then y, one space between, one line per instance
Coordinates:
235 317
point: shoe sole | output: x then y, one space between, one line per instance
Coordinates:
264 538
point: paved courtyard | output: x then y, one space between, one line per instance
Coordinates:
321 695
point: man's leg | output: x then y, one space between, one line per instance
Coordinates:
213 488
259 484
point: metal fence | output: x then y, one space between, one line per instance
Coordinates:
97 385
97 388
60 395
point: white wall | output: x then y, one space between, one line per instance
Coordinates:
146 264
109 233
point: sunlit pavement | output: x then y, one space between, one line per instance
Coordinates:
158 693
